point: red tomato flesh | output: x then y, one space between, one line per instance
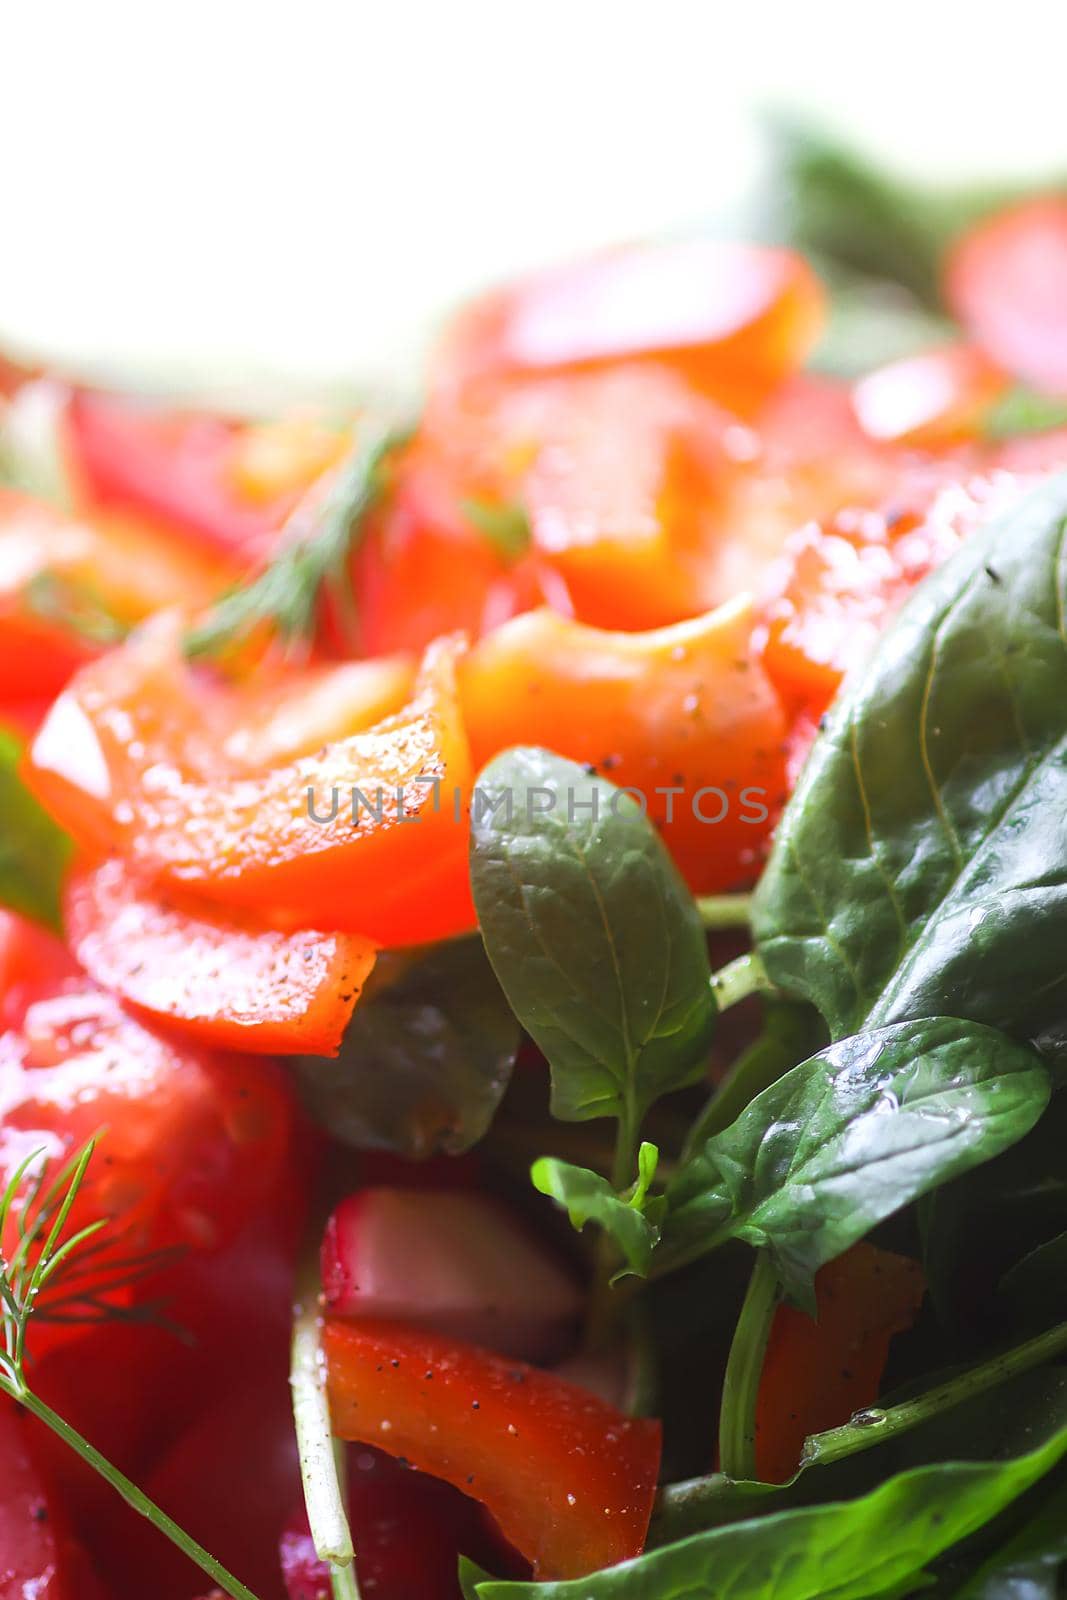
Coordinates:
367 835
235 984
931 400
734 318
194 1140
1006 281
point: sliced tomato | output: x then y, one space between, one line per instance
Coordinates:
620 474
65 583
435 1523
38 1561
425 567
1006 281
938 398
840 581
568 1479
735 319
683 715
368 835
452 1261
272 460
1032 452
130 454
818 1372
194 1141
280 714
235 984
244 1439
32 962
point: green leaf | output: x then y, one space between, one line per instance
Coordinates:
1037 1285
860 221
847 1550
32 455
504 525
848 1137
33 851
1028 1566
1023 410
588 1197
921 866
311 557
873 323
425 1059
594 936
978 1227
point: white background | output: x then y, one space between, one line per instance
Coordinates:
294 191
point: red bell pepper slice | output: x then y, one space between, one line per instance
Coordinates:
817 1372
569 1480
238 985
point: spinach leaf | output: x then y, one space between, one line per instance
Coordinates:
33 851
425 1059
1028 1566
978 1227
850 1136
1036 1286
594 936
631 1220
921 866
874 1545
981 1424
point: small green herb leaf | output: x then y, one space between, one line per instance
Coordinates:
425 1059
33 851
595 938
850 1136
632 1221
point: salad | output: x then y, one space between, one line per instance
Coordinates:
534 943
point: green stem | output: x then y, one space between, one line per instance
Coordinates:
874 1425
738 979
725 910
601 1313
684 1508
737 1416
321 1466
129 1492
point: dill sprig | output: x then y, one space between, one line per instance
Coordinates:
34 1254
312 558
